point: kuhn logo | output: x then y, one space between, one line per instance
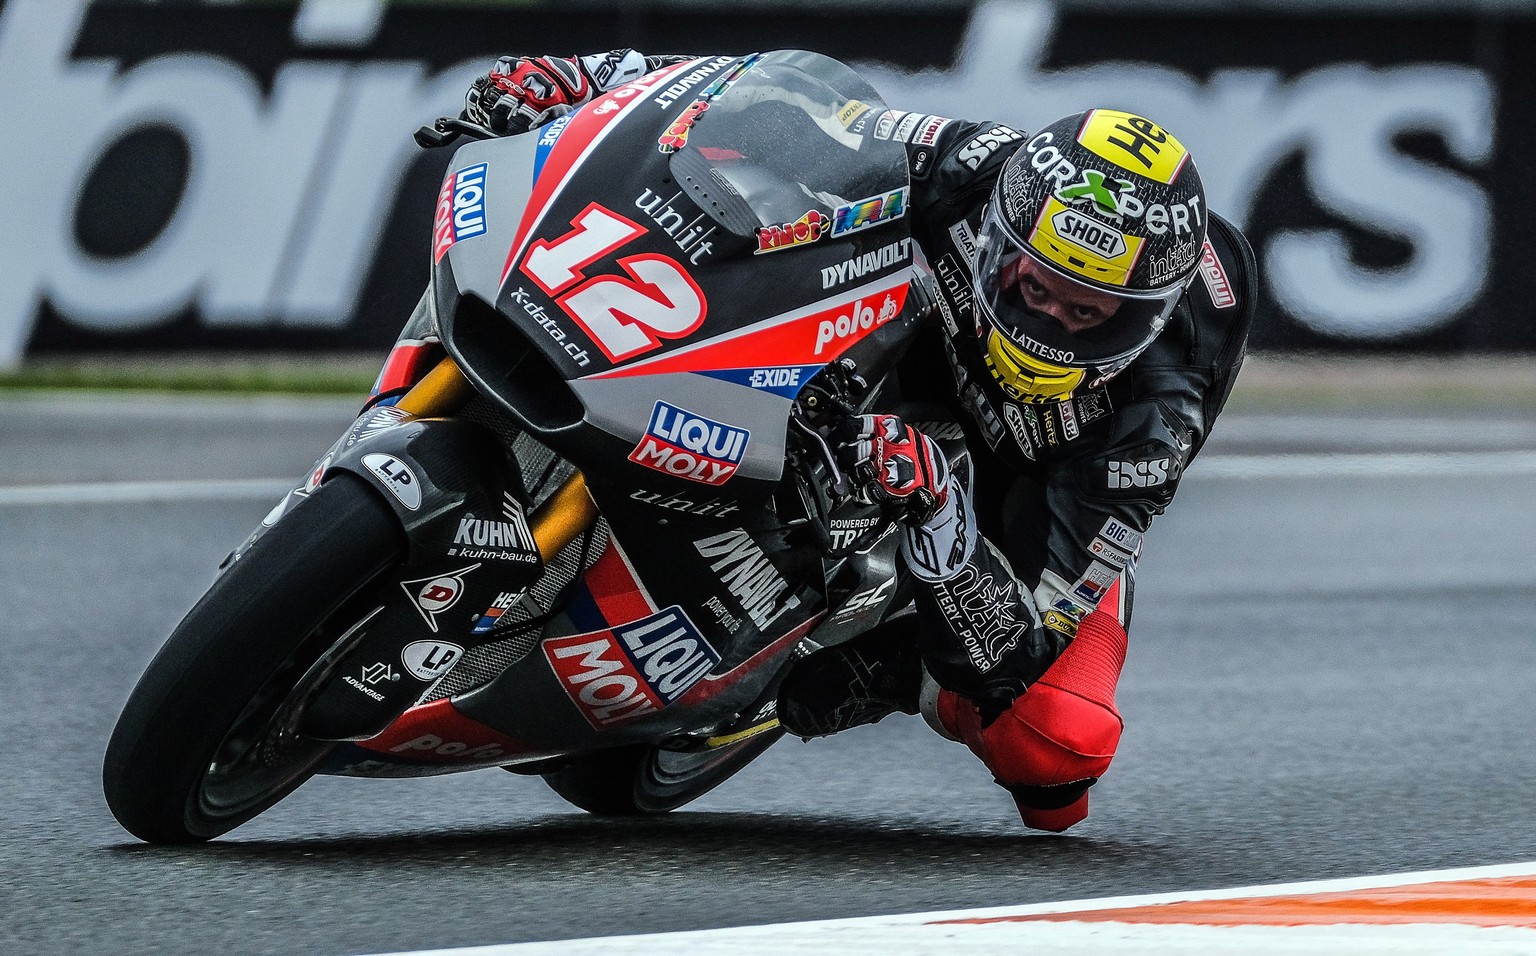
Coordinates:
632 670
685 445
460 209
853 324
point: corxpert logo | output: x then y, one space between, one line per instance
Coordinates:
279 220
631 670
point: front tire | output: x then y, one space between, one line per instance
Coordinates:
206 740
646 778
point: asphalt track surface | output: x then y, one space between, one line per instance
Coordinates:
1331 674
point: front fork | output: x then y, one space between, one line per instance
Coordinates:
344 709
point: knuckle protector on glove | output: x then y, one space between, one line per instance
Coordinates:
1143 462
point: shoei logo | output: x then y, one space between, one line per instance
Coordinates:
1074 248
679 443
632 670
1099 239
460 209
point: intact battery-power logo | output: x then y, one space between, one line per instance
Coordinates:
631 670
680 443
460 209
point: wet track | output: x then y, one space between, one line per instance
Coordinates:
1330 675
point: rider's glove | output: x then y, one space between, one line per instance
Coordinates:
894 465
520 93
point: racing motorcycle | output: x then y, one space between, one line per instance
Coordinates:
591 515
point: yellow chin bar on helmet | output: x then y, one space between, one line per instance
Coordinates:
1026 378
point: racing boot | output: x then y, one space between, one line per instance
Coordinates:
860 682
1058 738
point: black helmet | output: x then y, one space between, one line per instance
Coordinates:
1093 233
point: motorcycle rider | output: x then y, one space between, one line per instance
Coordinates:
1093 317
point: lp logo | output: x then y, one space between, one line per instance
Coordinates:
429 660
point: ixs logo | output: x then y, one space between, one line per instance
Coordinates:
748 575
632 670
624 316
679 443
432 596
1141 474
460 209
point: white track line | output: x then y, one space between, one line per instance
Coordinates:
932 933
140 492
1237 467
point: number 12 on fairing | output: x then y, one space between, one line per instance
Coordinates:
624 316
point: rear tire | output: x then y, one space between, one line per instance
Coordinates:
645 778
206 741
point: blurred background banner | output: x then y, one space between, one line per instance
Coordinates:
224 174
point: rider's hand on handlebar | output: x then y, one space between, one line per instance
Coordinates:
520 93
894 465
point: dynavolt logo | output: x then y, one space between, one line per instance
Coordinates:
685 445
460 209
631 670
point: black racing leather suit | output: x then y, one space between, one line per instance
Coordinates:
1061 492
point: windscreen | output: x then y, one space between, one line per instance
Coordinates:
787 134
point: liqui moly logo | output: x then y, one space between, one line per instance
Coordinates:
685 445
631 670
460 209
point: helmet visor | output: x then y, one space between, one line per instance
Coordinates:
1047 312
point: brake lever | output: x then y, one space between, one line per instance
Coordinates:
840 486
447 129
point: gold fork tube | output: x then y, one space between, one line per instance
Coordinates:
563 515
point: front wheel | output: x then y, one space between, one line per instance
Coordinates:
207 739
648 778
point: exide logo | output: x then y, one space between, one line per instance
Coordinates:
632 670
677 442
460 209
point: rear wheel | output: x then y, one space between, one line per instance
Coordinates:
207 740
647 778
